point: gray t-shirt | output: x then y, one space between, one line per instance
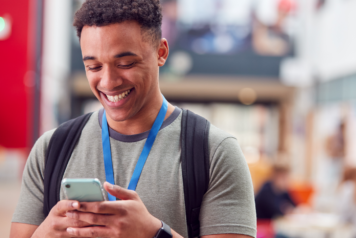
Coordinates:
228 206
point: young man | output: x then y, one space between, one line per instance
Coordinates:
122 51
273 199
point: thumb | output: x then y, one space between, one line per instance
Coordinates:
119 192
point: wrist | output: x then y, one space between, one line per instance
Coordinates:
40 231
155 225
36 234
164 232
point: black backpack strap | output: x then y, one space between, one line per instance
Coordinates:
195 166
59 151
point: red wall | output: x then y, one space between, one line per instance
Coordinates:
15 97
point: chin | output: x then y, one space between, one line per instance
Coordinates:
118 116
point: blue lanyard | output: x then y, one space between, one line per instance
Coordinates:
109 172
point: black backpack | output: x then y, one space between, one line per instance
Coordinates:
194 159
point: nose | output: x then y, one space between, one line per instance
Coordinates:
110 78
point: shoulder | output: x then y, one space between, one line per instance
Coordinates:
266 188
42 143
267 185
227 158
217 138
218 134
224 146
35 164
228 164
228 205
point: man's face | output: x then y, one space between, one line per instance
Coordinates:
281 181
122 68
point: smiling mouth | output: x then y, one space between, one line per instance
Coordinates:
119 97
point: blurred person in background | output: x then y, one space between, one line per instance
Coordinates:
272 39
331 170
122 51
346 198
335 147
273 199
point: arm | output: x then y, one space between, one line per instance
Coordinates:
29 209
228 206
55 224
28 219
127 217
176 235
290 199
118 219
227 236
22 230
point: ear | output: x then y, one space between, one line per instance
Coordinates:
163 52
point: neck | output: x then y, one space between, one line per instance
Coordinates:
142 121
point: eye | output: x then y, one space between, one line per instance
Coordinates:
126 66
94 68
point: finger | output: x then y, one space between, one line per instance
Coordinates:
73 222
108 208
119 192
62 223
90 218
94 231
65 205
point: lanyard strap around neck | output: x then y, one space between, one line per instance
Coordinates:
109 172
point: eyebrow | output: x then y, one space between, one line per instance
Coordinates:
128 53
89 58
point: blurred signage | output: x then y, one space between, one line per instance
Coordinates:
5 27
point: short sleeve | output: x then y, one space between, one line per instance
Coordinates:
29 209
228 205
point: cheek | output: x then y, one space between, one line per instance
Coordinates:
285 183
138 77
93 81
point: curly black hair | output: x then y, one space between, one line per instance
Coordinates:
147 13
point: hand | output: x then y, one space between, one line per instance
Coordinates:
56 223
287 208
125 218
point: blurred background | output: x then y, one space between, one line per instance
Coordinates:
280 75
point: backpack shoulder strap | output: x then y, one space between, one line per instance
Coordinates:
59 151
195 166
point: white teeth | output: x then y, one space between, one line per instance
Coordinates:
111 98
119 97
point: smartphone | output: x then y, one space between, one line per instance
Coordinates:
83 190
